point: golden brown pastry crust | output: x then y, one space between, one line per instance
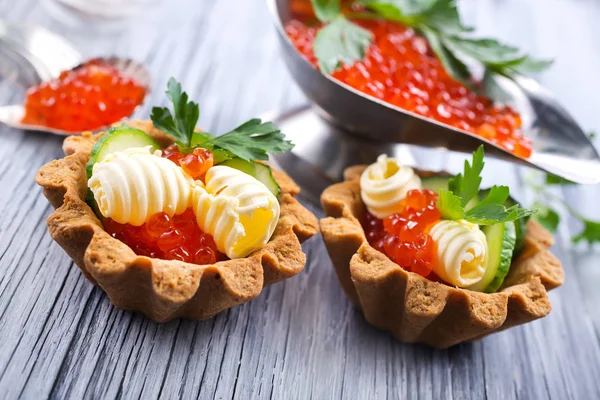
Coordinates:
164 289
415 309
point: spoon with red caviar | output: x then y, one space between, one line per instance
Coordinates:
67 96
394 87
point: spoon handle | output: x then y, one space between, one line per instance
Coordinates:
35 52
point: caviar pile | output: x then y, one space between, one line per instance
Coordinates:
178 237
88 98
195 164
400 68
403 237
168 238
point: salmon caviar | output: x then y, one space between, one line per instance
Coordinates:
168 238
195 164
401 69
88 98
404 237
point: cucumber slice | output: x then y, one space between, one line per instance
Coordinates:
520 224
435 182
501 240
258 170
117 139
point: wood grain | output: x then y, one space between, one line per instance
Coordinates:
61 338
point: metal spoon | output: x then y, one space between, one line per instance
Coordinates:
561 147
31 54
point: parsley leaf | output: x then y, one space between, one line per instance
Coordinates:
182 127
390 11
250 141
492 210
326 10
466 185
529 65
443 16
550 219
437 14
590 233
199 137
452 64
462 188
450 205
547 217
340 42
552 179
486 51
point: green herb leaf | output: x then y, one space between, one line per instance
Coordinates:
492 210
529 65
250 141
163 120
452 64
552 179
340 42
326 10
390 11
494 55
413 7
406 11
433 18
450 205
496 194
181 127
547 217
199 137
443 16
486 51
466 185
489 214
221 155
590 233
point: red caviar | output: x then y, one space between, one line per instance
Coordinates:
401 69
169 238
195 164
88 98
404 237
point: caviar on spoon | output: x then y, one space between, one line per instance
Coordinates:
89 97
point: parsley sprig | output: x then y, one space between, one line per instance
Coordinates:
251 141
546 201
458 201
341 41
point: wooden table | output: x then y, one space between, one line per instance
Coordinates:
60 337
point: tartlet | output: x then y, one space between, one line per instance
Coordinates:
165 289
415 309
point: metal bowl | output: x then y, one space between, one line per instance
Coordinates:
560 146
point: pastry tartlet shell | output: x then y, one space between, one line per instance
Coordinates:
165 289
415 309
